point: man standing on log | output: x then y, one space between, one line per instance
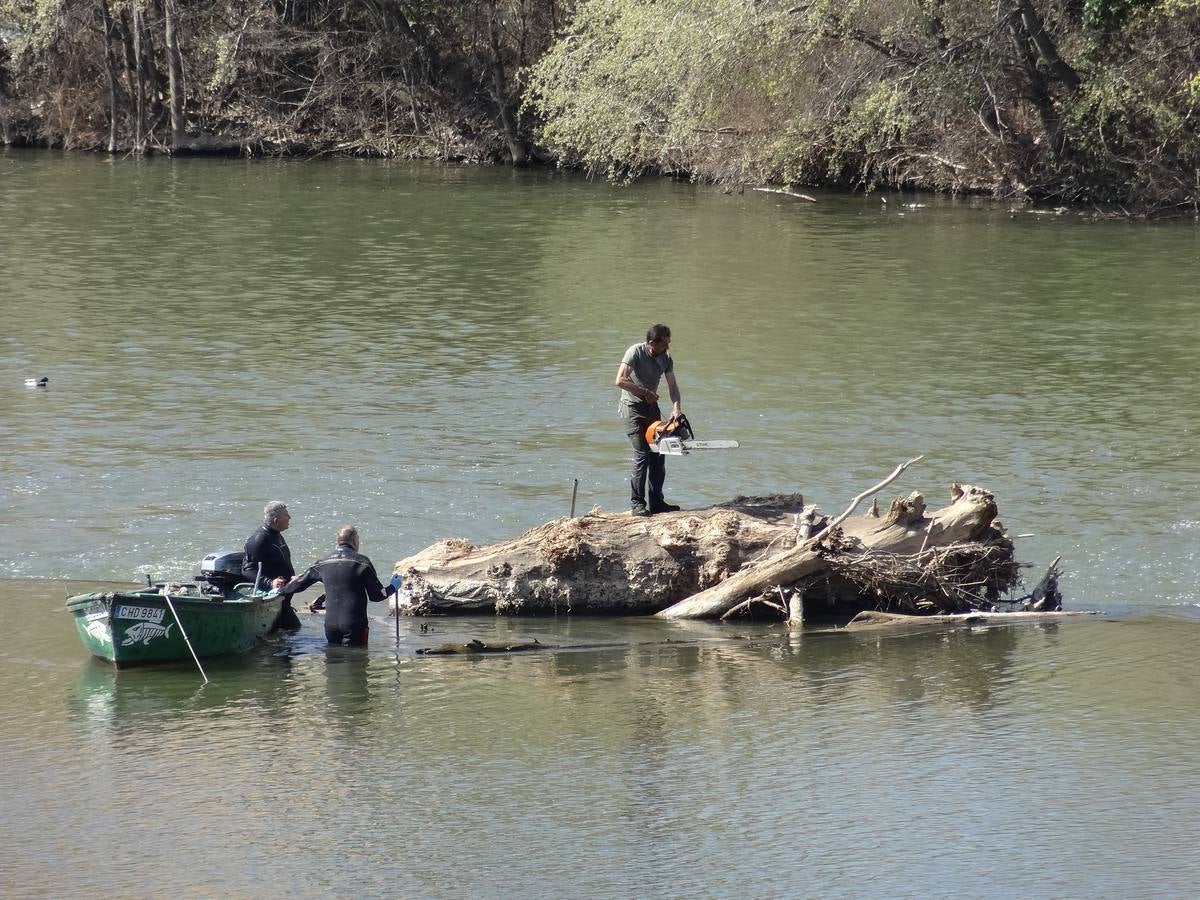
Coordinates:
641 368
350 581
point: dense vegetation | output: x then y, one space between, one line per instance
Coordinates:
1066 100
436 79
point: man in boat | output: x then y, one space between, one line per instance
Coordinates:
350 582
638 377
268 548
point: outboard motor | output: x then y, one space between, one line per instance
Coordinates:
220 571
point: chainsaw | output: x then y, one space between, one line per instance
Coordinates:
675 438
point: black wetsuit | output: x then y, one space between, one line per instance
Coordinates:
350 581
268 547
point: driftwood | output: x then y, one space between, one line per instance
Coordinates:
1045 594
773 556
600 562
887 560
874 619
478 646
802 561
798 196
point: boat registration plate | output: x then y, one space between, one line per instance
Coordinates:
140 613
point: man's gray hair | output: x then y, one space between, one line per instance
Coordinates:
347 534
273 511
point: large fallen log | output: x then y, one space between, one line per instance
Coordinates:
738 557
600 562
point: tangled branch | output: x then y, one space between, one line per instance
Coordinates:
957 578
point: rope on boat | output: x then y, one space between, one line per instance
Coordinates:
186 639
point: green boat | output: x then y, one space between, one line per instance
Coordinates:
135 627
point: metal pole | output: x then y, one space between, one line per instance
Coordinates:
574 491
186 640
395 584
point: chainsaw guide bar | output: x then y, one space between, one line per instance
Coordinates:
674 438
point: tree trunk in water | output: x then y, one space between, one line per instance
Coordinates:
704 563
598 563
175 73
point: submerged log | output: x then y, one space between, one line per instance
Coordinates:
747 556
873 619
478 646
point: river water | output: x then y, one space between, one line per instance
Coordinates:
427 352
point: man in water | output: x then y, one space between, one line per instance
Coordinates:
638 376
350 582
267 546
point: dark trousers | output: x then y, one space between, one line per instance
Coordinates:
354 637
649 468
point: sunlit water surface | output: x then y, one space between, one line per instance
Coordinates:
429 352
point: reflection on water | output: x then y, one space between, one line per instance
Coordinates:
347 694
642 757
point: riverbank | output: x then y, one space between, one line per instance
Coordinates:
1089 106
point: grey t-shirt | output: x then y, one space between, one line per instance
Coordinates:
644 370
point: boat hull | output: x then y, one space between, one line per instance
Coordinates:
130 628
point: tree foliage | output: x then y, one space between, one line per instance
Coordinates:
1067 100
1043 99
353 76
